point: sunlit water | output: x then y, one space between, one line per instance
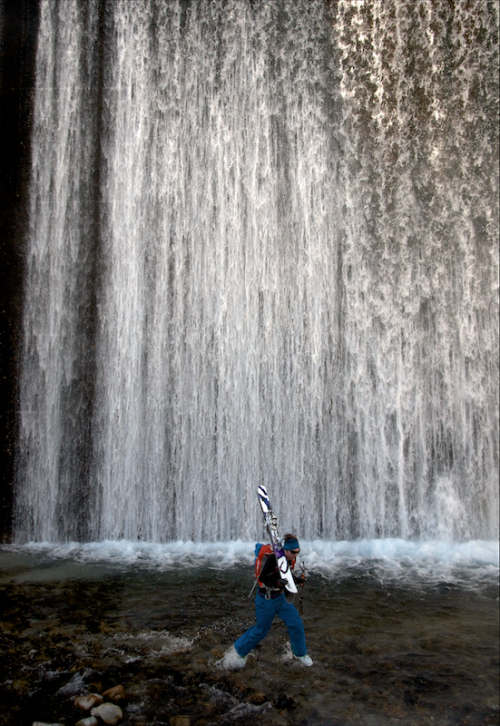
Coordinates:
399 634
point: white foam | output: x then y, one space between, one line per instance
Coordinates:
230 660
321 553
387 559
287 654
165 556
397 559
155 643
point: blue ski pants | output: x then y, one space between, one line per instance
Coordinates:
265 611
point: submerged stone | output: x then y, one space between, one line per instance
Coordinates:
85 703
108 712
117 693
180 721
258 698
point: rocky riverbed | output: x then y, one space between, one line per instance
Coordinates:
383 653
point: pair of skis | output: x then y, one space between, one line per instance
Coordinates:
272 528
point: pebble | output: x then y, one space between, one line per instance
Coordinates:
85 703
89 721
218 652
258 698
180 721
43 723
117 693
108 712
394 711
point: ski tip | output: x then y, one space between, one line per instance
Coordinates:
262 494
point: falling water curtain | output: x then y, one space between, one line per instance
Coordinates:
261 249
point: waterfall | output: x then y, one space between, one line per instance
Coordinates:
262 249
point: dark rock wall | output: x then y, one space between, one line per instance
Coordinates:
18 32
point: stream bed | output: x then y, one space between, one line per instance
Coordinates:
385 651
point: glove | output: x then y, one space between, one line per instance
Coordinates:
282 583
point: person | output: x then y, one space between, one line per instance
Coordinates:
271 600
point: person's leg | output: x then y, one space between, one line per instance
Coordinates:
265 611
288 613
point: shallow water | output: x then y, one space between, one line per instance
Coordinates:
385 650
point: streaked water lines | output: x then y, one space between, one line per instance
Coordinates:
296 279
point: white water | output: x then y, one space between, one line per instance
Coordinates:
284 271
470 565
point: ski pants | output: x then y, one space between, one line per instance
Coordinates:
265 611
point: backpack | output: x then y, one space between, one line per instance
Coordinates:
261 551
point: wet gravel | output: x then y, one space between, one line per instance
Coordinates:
382 654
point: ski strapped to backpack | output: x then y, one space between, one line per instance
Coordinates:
284 568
